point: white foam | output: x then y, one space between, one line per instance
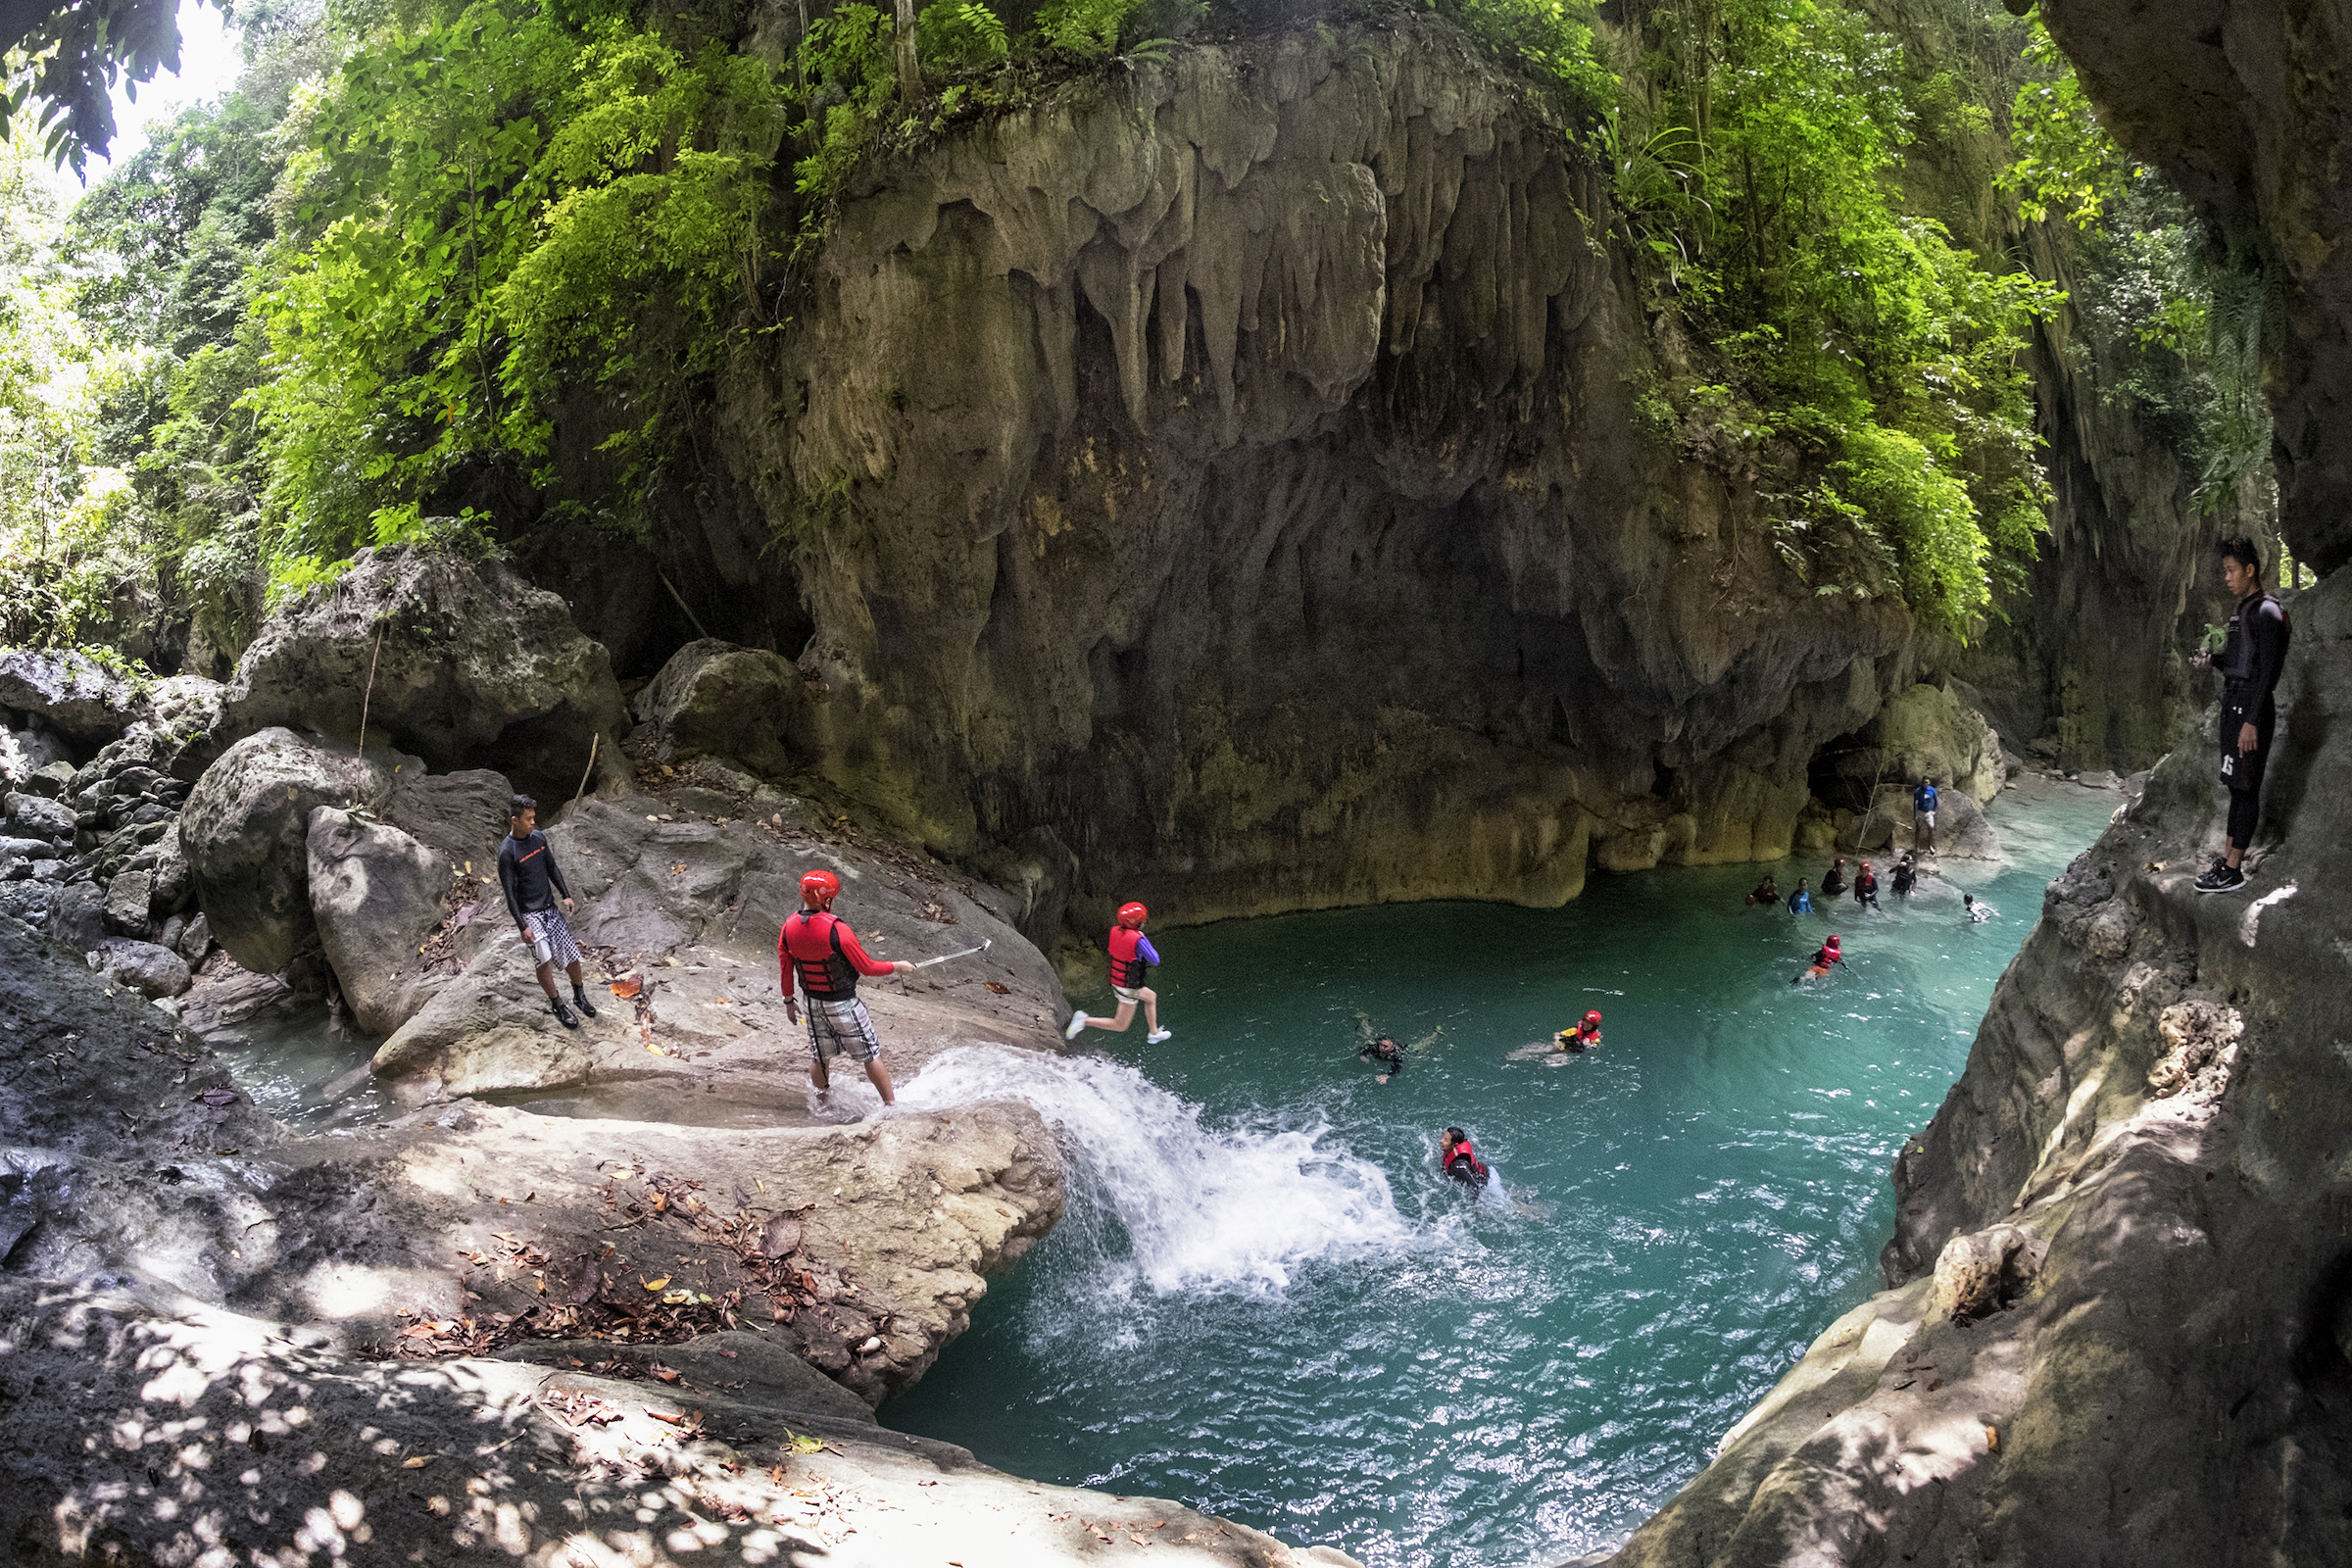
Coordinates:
1166 1203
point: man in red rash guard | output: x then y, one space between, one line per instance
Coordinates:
819 955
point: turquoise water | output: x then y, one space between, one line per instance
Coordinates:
1266 1303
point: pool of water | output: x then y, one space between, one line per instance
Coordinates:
1266 1303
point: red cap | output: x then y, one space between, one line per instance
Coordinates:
817 887
1132 915
1593 1017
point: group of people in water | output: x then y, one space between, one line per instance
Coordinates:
1903 879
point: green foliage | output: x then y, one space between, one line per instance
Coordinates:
67 58
2062 161
847 78
1752 159
501 210
959 35
1084 29
1552 39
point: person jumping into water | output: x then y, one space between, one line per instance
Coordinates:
1824 956
818 954
528 876
1835 883
1132 956
1866 886
1387 1054
1800 901
1584 1035
1460 1161
1767 891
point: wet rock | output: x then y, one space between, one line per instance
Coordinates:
69 692
375 894
152 969
476 668
245 833
126 901
715 699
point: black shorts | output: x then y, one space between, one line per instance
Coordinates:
2244 774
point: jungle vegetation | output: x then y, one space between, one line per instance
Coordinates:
422 242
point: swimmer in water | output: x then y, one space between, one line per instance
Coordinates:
1823 958
1866 886
1906 877
1835 883
1800 901
1460 1161
1978 912
1386 1055
1767 891
1583 1037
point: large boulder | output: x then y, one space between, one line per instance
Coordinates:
77 917
126 901
148 968
463 663
460 815
375 894
35 817
715 699
1922 732
69 692
246 832
24 753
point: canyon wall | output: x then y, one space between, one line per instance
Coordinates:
1225 485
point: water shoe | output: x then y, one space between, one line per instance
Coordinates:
1077 1022
580 1000
564 1014
1156 1036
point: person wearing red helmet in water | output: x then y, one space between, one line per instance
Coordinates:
1823 958
817 954
1132 955
1583 1037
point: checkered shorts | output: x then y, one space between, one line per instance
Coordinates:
841 1029
550 938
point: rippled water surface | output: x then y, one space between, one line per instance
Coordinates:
1265 1302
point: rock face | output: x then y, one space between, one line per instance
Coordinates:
718 699
1222 495
2116 1328
1922 732
375 894
68 692
246 836
689 904
476 668
2240 103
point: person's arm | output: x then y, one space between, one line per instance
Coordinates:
1143 950
857 955
787 977
510 877
2270 648
547 847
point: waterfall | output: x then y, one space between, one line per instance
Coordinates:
1162 1203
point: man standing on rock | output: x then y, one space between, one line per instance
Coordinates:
822 954
1923 818
2251 659
527 874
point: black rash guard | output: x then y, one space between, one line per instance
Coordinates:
525 871
2255 651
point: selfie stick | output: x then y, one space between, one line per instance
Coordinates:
966 953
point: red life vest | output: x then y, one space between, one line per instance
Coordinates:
1127 966
1463 1151
812 942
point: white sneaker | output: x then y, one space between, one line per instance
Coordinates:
1156 1036
1077 1022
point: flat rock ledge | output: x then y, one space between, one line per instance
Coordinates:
218 1340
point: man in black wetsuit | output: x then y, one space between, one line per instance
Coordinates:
527 874
2250 660
1386 1055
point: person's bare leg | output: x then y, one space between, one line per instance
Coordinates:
547 981
1150 1010
879 1076
818 1076
573 970
1116 1024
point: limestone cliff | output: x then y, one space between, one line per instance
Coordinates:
1220 484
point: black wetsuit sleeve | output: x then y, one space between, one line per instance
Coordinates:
554 873
2268 635
510 878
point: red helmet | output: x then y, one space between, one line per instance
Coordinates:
1132 915
817 887
1833 942
1593 1017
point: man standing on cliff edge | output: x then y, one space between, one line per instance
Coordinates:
2252 656
818 955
